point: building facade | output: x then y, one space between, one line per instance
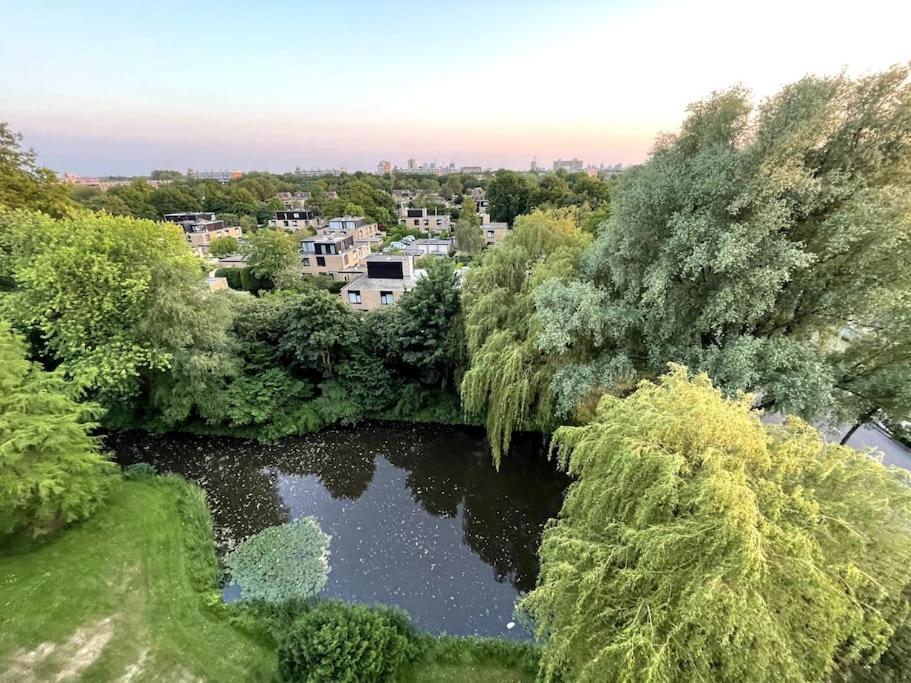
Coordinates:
200 228
297 219
387 278
495 233
420 220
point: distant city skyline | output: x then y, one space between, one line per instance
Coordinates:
111 88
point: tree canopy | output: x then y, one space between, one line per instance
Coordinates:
508 379
771 248
697 543
51 470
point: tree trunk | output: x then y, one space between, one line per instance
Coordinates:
864 419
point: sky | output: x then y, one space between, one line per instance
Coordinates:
120 88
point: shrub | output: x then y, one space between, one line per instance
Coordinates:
232 275
139 471
339 643
282 562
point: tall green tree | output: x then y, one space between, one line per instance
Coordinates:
425 337
51 470
760 245
509 194
508 381
86 286
26 185
272 255
697 543
468 235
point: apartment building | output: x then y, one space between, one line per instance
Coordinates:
219 176
297 219
387 278
421 220
495 232
200 228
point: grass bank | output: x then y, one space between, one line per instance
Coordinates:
130 595
127 593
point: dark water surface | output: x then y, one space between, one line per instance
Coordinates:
418 516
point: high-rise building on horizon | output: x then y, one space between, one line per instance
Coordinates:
384 167
569 164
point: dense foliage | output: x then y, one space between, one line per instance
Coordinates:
770 248
26 185
51 471
335 643
280 563
467 232
699 544
508 378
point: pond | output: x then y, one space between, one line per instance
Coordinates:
418 516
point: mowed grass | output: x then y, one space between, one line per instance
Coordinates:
120 595
129 595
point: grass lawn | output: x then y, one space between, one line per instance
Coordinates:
128 595
119 596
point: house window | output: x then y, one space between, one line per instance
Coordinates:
307 247
354 297
321 260
490 234
286 223
306 261
386 298
426 222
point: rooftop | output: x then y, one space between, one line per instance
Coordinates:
364 282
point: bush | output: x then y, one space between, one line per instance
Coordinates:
338 643
282 562
233 276
139 471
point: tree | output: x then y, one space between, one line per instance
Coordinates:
468 235
508 381
425 334
26 185
761 247
51 471
509 194
85 287
316 330
223 246
452 186
697 543
272 255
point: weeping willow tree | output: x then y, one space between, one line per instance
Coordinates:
699 544
508 379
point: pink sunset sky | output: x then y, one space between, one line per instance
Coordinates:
101 88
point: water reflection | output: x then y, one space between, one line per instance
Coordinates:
417 514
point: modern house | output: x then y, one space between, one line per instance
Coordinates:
297 219
420 220
495 232
432 246
387 278
334 255
200 228
358 226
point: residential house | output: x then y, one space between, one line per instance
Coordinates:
335 255
200 228
421 220
432 246
387 278
495 232
297 219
